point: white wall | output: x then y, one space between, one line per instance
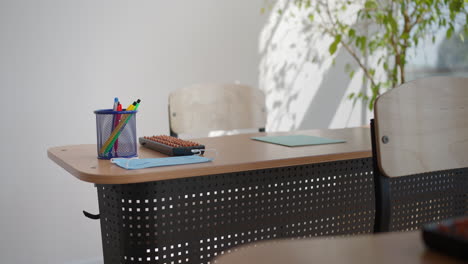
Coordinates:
305 90
59 61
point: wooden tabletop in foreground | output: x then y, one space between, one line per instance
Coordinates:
234 153
403 247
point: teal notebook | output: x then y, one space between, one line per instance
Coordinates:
298 140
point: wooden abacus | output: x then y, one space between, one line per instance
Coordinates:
171 146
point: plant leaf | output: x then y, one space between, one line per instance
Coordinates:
333 47
352 32
370 4
449 32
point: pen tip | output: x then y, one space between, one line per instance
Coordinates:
116 99
138 101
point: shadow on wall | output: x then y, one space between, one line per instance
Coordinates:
305 87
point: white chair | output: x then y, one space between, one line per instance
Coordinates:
202 108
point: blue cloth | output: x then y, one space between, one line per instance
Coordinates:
134 164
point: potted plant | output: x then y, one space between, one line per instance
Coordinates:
383 30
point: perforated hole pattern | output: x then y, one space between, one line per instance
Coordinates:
428 197
195 219
192 220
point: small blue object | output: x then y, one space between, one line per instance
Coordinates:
134 164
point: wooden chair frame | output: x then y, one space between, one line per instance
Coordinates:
413 118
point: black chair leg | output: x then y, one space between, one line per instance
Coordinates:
381 190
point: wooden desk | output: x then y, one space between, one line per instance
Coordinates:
252 191
235 153
403 247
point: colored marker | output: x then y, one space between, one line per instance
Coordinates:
117 118
131 107
116 103
137 104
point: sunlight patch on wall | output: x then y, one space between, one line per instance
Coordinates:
349 113
295 59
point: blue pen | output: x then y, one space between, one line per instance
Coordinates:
116 103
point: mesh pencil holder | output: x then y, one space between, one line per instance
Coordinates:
116 134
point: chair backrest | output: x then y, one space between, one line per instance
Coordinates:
420 146
208 107
422 126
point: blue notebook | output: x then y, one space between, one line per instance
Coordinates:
298 140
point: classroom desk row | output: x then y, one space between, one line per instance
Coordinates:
252 191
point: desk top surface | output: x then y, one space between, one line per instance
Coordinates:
234 153
404 247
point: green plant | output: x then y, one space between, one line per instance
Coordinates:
384 30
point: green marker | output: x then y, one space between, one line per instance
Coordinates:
137 104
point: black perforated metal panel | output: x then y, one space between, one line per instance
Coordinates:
192 220
429 197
